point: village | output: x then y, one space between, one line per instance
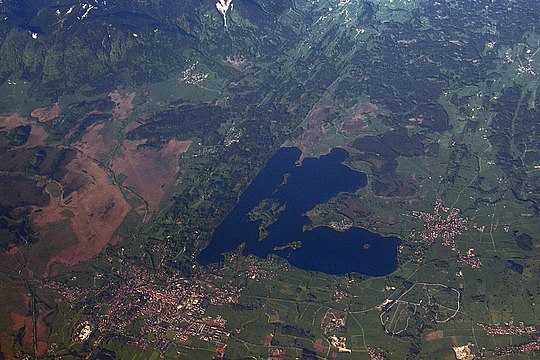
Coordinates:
436 227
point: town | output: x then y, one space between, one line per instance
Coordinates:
148 312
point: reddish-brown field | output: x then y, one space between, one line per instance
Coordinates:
131 126
354 208
25 322
313 215
94 143
12 311
124 104
47 113
37 133
315 126
6 344
268 340
377 161
436 335
319 348
397 186
360 119
97 207
73 227
150 171
37 137
11 121
13 300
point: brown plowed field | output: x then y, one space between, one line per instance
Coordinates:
150 171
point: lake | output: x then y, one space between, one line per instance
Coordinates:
296 189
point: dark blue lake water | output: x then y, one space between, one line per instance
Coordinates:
300 189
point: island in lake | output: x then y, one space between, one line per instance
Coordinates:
298 189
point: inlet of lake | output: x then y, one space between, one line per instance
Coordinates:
296 189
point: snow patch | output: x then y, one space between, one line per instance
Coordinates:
223 7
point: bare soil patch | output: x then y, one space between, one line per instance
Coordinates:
124 104
47 113
96 209
19 322
150 171
14 251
